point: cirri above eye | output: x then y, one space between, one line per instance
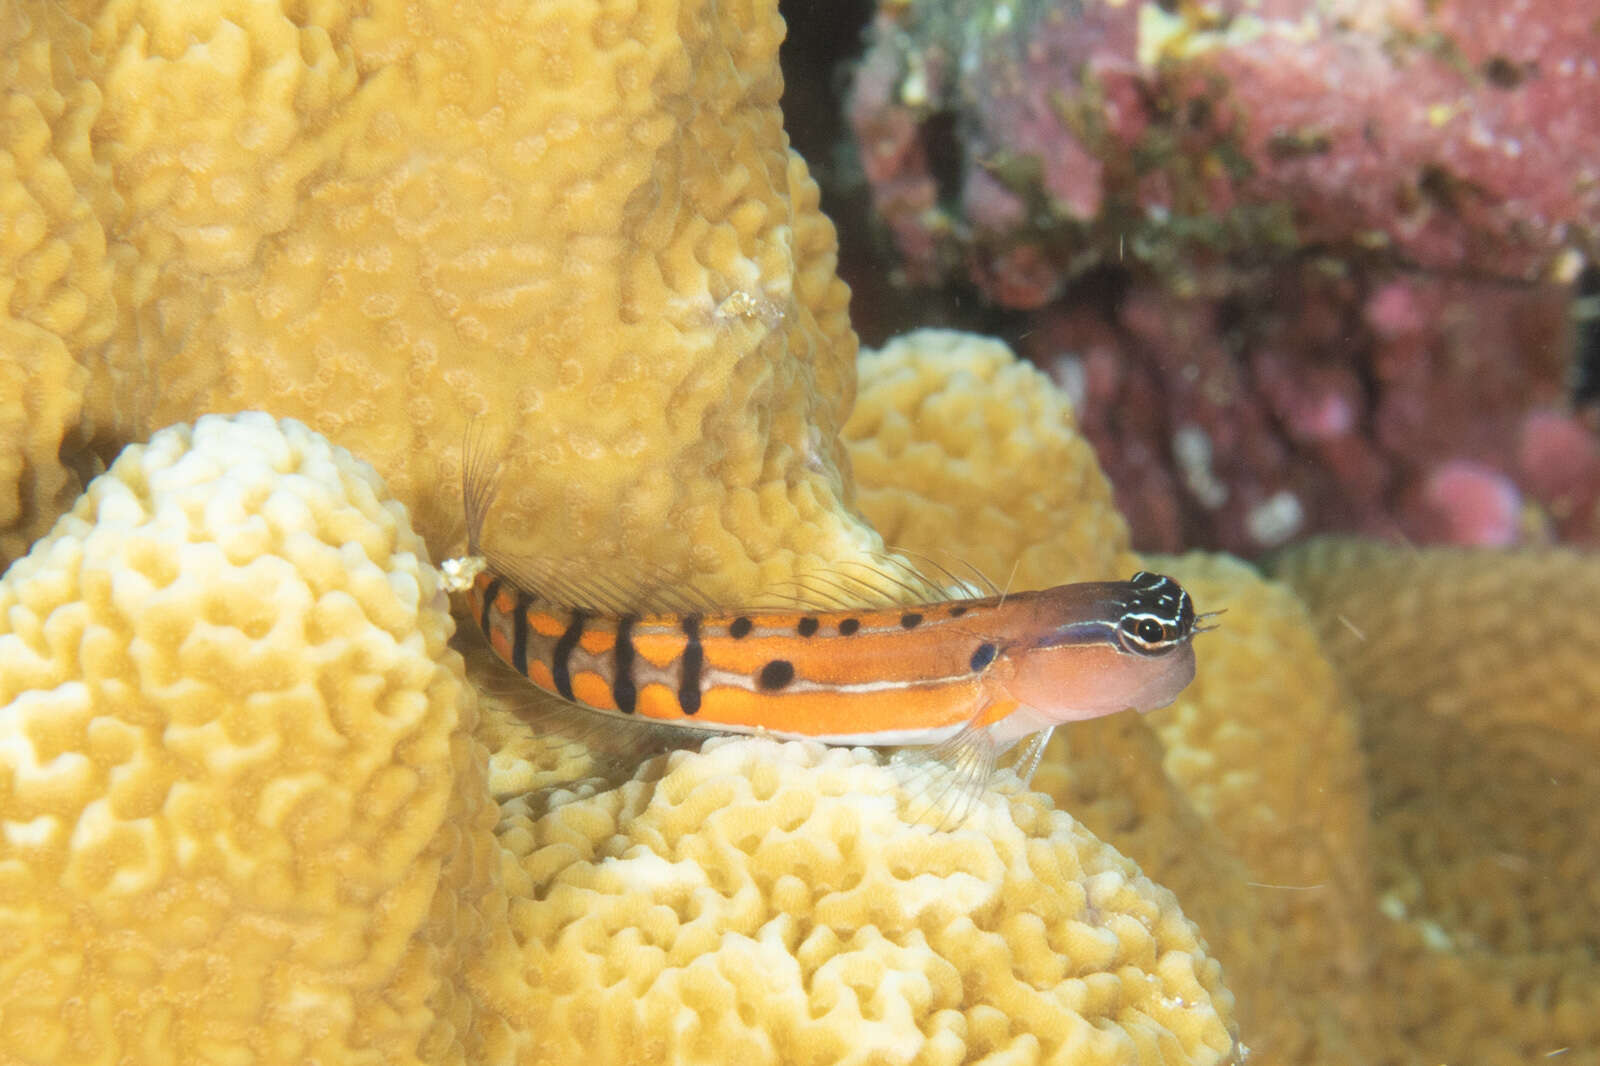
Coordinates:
1156 617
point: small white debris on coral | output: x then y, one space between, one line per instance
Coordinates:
459 574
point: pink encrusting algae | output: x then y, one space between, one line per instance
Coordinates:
1299 257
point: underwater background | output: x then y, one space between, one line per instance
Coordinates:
1302 269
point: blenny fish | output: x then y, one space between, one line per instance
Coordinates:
973 675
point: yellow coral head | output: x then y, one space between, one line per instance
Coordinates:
766 902
240 804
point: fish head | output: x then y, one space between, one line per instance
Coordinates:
1096 648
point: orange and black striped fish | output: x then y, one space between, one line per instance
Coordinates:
906 675
980 673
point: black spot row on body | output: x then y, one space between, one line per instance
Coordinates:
693 659
623 690
910 620
776 674
807 627
849 626
739 628
561 658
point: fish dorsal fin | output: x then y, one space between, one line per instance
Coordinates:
600 586
881 579
480 481
597 585
617 587
974 585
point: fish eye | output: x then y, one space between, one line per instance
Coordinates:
1150 631
1144 635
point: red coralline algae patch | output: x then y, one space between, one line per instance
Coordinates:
1423 410
1456 135
958 115
1558 459
1463 502
1340 236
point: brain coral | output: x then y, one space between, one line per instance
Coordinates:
1246 796
759 902
1264 744
1477 680
242 817
959 446
581 221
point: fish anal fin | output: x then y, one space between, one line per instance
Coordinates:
543 743
612 746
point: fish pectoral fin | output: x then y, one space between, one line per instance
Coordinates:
942 783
